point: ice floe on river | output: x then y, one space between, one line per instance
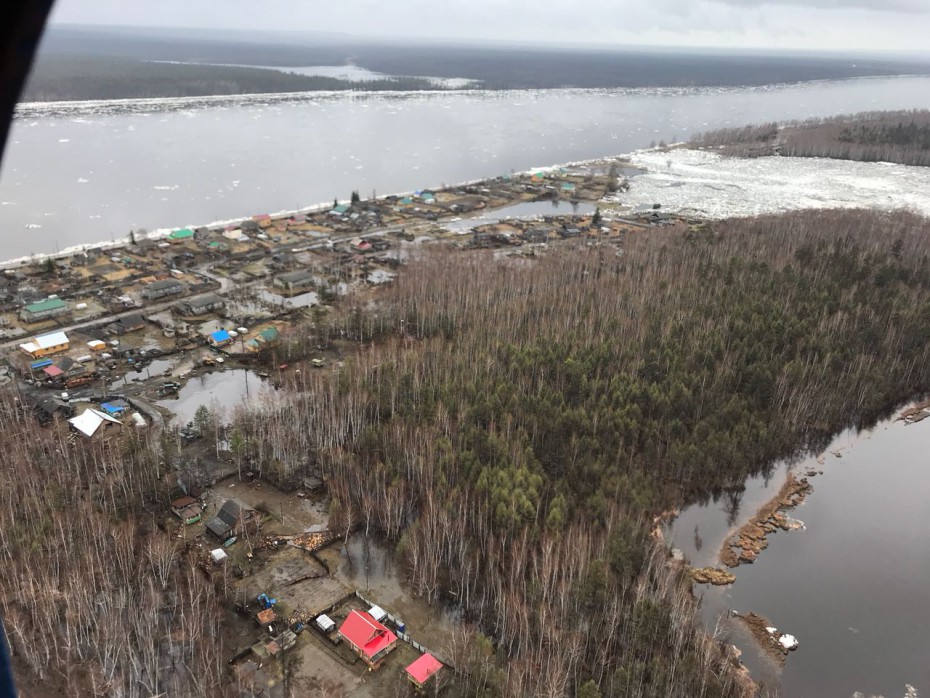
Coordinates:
712 186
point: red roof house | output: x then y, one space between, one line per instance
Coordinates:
423 669
370 640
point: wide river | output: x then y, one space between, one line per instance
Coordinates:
852 586
91 172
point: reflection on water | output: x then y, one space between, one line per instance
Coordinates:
526 209
221 391
852 586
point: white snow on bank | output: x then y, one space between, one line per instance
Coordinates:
711 186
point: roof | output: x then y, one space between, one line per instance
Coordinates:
48 304
230 511
113 407
181 234
164 283
366 634
90 420
269 334
206 299
220 336
52 371
423 668
52 339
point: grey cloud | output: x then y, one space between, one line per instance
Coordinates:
900 6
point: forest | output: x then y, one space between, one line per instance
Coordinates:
889 136
512 427
66 78
493 66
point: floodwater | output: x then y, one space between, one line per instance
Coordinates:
852 585
526 209
221 391
88 172
154 368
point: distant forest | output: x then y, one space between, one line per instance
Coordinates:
59 75
67 78
894 136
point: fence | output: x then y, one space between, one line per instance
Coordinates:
407 638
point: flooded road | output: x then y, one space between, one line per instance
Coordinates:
851 586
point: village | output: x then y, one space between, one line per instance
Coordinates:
174 333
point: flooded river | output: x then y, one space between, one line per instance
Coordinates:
852 585
90 172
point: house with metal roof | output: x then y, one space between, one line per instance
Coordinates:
232 519
92 422
200 305
46 344
49 308
181 235
423 669
160 289
220 338
367 637
295 279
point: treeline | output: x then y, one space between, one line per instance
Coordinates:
508 67
66 78
513 426
895 136
96 600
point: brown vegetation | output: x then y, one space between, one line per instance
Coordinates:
513 425
893 136
96 601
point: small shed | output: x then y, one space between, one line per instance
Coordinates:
423 669
325 623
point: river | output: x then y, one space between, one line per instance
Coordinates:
851 586
90 172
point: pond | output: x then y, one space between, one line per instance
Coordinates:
526 209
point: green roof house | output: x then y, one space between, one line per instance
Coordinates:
50 307
181 234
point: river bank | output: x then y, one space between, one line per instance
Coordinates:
846 584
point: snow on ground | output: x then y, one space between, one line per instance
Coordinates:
709 185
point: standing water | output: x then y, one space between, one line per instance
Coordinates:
851 585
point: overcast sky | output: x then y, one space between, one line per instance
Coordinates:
878 25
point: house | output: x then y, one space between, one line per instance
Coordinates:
49 308
92 422
263 220
423 669
367 637
220 338
181 235
127 324
295 279
70 368
187 509
115 407
201 305
160 289
46 344
232 520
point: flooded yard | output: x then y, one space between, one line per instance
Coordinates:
221 391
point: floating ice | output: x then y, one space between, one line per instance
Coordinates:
712 186
789 642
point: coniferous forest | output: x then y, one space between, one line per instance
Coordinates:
512 427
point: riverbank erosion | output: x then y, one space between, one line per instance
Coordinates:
744 545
